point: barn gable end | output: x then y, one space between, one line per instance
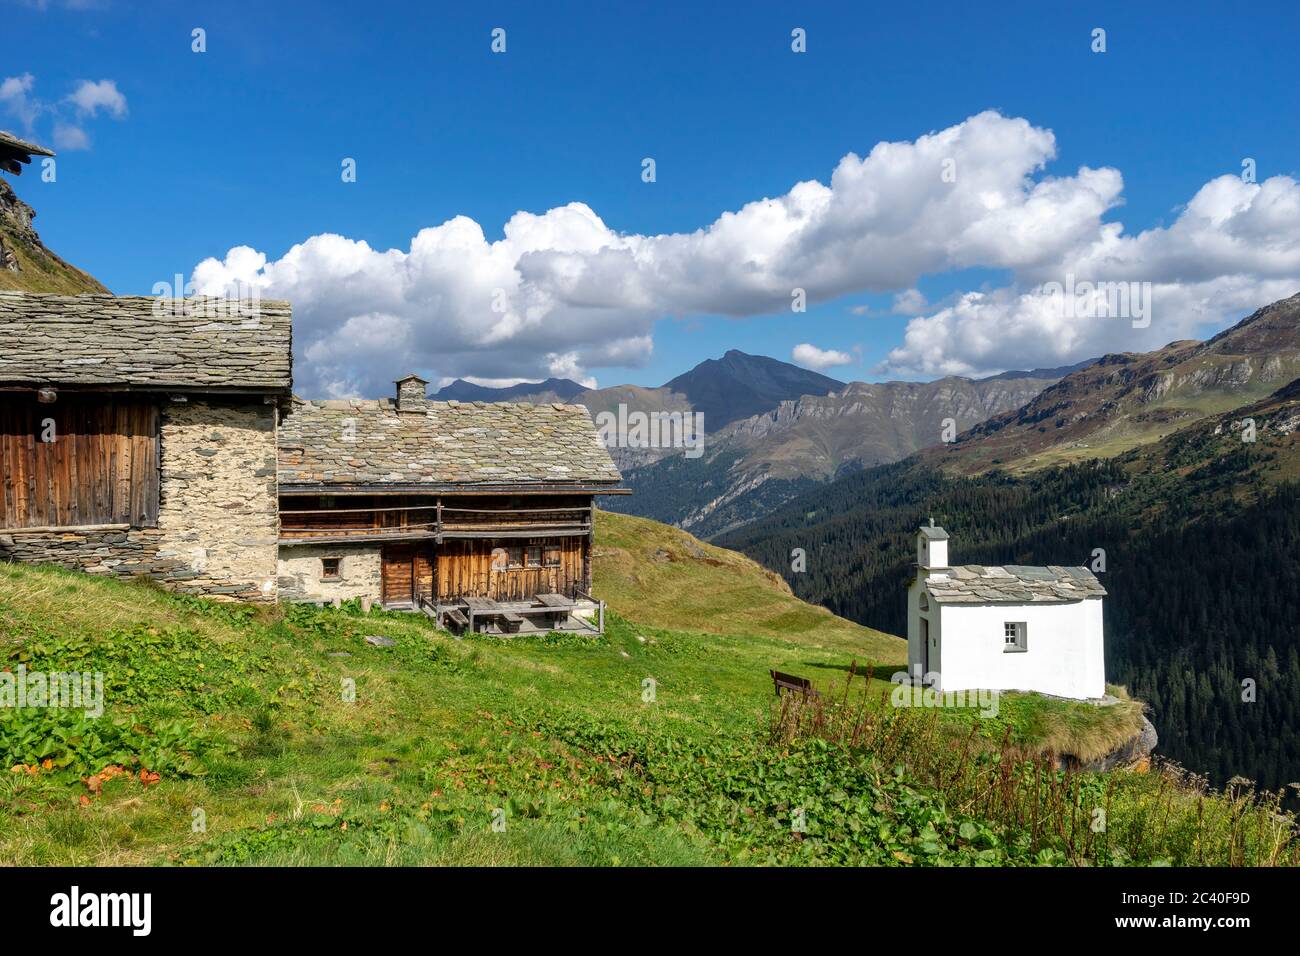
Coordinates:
138 435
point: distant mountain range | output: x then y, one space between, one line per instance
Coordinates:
1053 373
735 386
757 463
773 430
739 385
1125 400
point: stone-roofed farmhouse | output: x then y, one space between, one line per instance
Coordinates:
159 437
137 437
972 627
420 504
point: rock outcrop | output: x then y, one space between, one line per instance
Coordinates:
1133 752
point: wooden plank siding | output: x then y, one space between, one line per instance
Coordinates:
545 541
465 569
101 468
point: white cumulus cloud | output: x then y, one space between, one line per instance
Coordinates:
1234 248
92 96
810 356
563 294
15 97
68 115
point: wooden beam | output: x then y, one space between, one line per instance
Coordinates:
551 532
580 509
287 489
519 511
67 528
354 511
360 538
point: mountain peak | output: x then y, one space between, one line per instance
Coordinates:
1263 331
740 385
551 390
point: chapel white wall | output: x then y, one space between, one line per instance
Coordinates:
1065 655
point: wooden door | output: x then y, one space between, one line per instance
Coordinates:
398 566
423 575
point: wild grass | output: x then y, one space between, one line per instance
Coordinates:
1160 815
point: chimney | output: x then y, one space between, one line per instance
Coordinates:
932 550
412 394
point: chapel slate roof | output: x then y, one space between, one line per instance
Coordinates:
145 342
444 443
1013 584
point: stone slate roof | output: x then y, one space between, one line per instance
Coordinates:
933 533
9 141
16 153
445 443
145 342
1013 584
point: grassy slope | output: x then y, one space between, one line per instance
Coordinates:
39 269
661 576
241 712
42 271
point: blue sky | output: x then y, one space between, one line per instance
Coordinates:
242 144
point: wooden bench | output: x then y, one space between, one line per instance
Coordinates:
455 616
511 622
788 683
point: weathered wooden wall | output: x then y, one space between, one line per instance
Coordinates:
472 527
465 569
102 466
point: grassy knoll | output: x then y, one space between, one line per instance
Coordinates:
279 736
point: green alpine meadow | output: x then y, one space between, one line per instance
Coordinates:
279 736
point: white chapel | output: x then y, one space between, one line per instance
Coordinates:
972 627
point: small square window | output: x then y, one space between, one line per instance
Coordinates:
1015 636
552 556
534 555
330 569
516 553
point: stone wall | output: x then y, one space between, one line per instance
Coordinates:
218 522
300 572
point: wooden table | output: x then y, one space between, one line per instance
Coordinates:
478 605
561 604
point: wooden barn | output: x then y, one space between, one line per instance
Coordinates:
137 437
479 514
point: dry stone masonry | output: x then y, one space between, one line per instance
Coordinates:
300 572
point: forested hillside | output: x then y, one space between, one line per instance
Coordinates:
1199 533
